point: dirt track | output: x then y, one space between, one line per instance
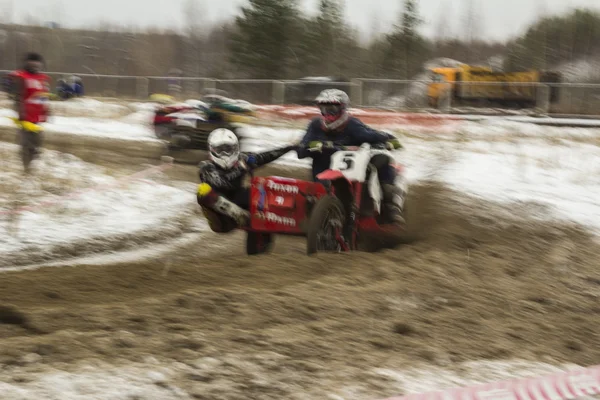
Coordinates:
483 282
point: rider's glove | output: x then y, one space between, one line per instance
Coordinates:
315 146
250 162
393 144
319 147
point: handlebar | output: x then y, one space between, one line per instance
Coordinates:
332 146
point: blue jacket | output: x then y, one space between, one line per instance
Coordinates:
76 89
354 133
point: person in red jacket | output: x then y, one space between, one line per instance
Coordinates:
30 91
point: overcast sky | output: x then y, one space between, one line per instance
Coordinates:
499 19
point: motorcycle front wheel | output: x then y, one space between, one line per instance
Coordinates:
325 226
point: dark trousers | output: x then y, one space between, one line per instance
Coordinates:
221 223
30 143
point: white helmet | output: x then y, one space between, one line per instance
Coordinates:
333 104
333 96
224 148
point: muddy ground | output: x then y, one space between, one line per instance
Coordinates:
482 282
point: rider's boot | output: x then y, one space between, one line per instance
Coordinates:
213 200
232 210
393 197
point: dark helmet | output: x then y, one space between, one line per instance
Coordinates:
34 57
33 62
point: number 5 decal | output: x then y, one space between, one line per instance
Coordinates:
348 161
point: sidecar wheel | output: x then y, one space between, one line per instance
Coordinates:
258 243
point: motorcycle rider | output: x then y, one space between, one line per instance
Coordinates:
70 88
337 128
30 90
222 193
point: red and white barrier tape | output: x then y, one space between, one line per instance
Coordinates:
137 176
569 385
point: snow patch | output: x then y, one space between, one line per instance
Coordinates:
140 117
90 108
145 106
419 380
127 130
580 71
98 383
153 380
117 217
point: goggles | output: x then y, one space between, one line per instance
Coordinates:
224 149
331 109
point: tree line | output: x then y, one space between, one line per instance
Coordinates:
275 39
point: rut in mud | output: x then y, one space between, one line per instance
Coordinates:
483 281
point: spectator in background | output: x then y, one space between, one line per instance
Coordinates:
174 82
69 88
30 90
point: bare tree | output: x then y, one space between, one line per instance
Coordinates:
194 17
472 27
31 20
57 12
6 17
7 12
195 32
375 27
443 28
542 10
217 52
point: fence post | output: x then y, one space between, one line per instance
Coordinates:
111 87
142 87
542 101
356 96
278 95
189 87
209 85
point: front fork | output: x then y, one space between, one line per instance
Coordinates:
347 235
350 231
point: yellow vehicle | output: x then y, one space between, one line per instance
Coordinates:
467 84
